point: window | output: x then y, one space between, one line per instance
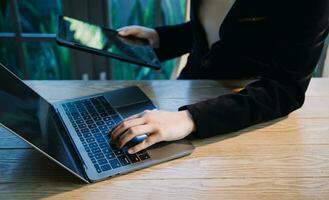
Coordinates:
148 13
118 13
27 37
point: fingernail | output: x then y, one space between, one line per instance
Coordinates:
130 151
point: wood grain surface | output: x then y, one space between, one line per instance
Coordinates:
287 158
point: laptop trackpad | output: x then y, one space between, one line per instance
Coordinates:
129 101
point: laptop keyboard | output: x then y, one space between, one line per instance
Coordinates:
92 119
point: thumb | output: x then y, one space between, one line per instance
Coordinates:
130 31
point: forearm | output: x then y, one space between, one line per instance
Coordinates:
174 40
259 102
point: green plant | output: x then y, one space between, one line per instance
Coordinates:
45 60
5 16
144 13
48 61
7 49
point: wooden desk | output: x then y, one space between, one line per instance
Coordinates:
284 159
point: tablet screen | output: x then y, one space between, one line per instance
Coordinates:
106 41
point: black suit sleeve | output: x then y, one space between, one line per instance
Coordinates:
297 48
174 40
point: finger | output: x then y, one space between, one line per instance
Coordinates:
122 28
133 132
129 118
132 31
134 116
125 29
124 126
152 139
139 115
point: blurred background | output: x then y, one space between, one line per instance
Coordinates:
28 47
28 27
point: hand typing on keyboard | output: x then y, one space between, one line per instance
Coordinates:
158 125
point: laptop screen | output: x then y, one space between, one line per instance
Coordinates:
31 117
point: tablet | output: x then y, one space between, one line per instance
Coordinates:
99 40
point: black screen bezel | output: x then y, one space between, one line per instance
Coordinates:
61 40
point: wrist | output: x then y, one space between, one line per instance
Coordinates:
155 39
188 120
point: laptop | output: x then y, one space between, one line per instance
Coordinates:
74 133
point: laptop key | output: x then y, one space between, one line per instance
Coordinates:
114 163
79 121
103 145
106 133
90 140
82 139
106 150
86 117
97 119
95 130
133 158
102 161
87 135
110 123
142 152
87 149
107 119
144 156
118 152
98 135
98 169
93 145
102 99
94 115
116 118
99 156
93 160
103 128
92 126
90 121
84 143
100 123
110 156
82 126
106 167
124 160
96 150
101 111
85 130
101 140
110 110
104 114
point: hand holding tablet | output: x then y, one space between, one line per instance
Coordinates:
103 41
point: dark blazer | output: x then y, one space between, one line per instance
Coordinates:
278 42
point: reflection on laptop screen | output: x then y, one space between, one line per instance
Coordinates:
31 117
